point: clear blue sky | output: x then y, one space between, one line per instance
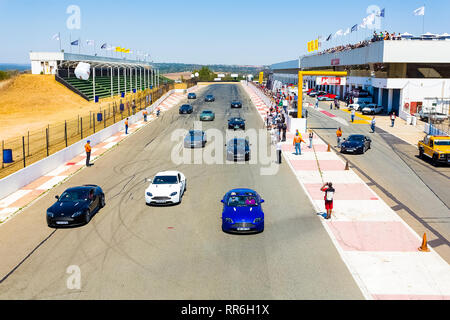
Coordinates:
205 32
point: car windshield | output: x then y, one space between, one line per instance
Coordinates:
237 142
207 111
242 201
355 138
184 106
165 180
74 195
442 142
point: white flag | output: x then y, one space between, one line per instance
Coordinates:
420 11
90 42
56 37
339 32
347 31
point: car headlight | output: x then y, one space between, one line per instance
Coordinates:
76 214
229 220
442 156
50 214
257 220
149 194
173 194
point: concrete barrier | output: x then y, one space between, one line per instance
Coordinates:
29 174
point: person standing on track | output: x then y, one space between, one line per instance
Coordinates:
329 195
338 136
297 143
88 150
311 136
353 114
279 150
145 115
372 124
392 119
126 126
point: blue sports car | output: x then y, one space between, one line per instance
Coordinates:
76 206
242 212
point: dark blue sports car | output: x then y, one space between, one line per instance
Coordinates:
186 108
356 143
192 95
236 123
210 98
76 206
242 212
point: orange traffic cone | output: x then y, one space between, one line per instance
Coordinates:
424 247
329 148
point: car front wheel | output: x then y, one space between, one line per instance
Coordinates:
102 201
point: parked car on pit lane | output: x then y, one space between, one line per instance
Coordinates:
192 95
236 104
207 115
236 123
76 206
357 106
210 98
242 211
186 109
317 93
195 139
167 187
327 97
372 109
356 143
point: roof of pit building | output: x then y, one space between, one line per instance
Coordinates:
71 59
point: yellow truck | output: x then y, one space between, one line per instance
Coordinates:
437 148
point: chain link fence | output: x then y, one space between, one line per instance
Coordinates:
19 152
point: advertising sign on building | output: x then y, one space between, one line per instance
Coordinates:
335 62
217 79
221 75
234 75
331 81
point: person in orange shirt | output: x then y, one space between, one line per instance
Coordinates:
88 149
297 143
126 126
339 135
145 115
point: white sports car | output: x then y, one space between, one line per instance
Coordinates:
167 187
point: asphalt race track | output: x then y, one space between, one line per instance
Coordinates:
132 251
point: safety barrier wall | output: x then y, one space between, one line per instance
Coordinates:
432 130
27 175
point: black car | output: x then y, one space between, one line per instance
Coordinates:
236 104
210 98
192 95
76 206
356 143
236 123
195 139
238 149
186 108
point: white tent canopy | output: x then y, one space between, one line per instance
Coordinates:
428 35
406 35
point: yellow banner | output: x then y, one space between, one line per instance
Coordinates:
313 45
261 77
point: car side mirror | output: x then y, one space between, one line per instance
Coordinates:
57 197
148 180
262 201
222 201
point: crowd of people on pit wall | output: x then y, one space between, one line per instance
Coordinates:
376 37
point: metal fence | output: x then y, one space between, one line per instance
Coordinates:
36 145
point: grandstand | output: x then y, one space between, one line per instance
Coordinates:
108 77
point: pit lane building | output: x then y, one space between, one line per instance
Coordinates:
401 75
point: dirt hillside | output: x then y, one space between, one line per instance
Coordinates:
31 102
